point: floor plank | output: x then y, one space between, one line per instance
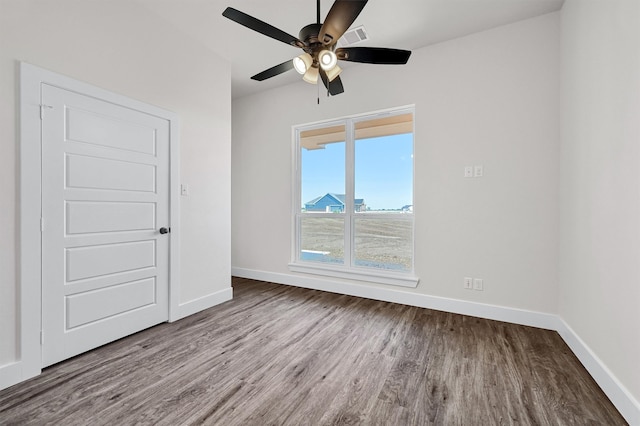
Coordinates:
280 355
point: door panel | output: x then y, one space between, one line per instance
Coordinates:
102 173
96 261
98 129
105 193
92 217
90 306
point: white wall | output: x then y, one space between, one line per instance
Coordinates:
599 290
491 98
122 47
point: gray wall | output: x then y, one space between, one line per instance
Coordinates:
550 107
491 98
124 48
599 292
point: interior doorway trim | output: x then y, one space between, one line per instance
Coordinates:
29 321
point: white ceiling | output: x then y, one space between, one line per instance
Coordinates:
402 24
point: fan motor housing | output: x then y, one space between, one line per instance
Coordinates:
309 34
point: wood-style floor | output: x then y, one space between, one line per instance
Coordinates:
280 355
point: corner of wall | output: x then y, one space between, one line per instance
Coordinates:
619 395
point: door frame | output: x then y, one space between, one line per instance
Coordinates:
29 297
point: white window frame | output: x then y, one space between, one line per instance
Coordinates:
347 270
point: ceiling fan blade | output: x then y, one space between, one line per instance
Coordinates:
261 27
373 55
334 87
273 71
340 17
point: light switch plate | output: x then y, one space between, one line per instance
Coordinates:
468 283
184 190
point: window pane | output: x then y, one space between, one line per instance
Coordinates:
384 165
372 163
384 243
323 169
322 239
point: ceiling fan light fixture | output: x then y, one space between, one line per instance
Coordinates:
311 76
333 73
302 63
318 41
327 59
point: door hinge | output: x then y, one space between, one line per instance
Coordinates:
41 337
42 107
42 224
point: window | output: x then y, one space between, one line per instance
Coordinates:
353 198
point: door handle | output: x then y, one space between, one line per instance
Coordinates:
164 230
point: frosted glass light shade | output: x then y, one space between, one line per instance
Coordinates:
333 73
327 59
302 63
311 76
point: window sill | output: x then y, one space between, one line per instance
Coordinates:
381 277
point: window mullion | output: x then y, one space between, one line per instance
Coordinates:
349 191
296 197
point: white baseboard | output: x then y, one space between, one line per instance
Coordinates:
200 304
14 373
10 374
498 313
626 404
615 391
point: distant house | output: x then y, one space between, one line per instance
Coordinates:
407 208
332 203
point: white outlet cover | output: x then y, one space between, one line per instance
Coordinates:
468 171
478 284
478 171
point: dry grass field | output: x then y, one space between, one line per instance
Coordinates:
382 242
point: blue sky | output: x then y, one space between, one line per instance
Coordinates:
383 171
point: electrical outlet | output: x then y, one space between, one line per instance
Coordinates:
478 171
468 171
468 283
478 284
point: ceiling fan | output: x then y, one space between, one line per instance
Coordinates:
318 41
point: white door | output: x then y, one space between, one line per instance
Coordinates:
105 196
